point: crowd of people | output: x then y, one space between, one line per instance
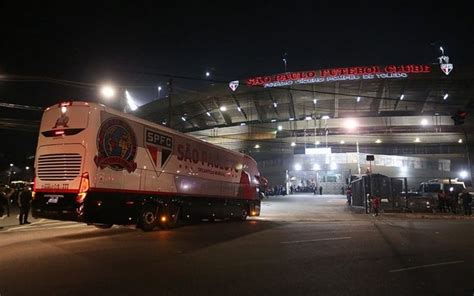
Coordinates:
448 202
11 197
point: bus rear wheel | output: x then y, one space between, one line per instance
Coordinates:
148 218
243 215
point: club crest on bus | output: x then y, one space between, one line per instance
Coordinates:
159 146
116 146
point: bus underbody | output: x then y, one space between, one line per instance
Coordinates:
147 211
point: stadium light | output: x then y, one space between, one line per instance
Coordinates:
130 101
350 124
108 91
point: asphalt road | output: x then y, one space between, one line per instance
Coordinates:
301 245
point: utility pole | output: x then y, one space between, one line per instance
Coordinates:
170 107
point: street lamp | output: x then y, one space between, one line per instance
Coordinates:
159 91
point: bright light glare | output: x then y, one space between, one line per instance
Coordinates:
223 108
316 167
275 104
325 117
358 99
315 101
11 164
378 141
402 97
130 101
308 118
293 144
417 140
445 96
27 168
317 143
280 128
404 169
63 109
350 124
333 166
463 174
208 74
342 142
239 109
424 121
208 114
298 167
183 118
107 91
257 146
460 141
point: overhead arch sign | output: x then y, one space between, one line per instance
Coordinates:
338 74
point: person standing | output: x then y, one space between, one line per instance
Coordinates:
441 201
376 205
24 201
349 195
466 202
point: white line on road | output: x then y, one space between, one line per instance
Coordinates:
427 265
317 240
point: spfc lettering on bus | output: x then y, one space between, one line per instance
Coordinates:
159 146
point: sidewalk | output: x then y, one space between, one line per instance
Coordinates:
419 215
13 220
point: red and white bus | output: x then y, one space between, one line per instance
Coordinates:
100 166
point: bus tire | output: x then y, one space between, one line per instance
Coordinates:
243 214
148 218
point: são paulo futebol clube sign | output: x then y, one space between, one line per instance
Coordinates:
338 74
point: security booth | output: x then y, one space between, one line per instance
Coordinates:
390 190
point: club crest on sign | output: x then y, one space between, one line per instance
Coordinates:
233 85
444 64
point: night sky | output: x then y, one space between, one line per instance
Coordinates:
131 44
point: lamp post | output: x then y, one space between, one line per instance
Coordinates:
352 125
10 173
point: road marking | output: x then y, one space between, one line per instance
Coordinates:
317 240
427 265
45 225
